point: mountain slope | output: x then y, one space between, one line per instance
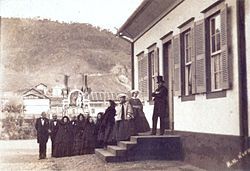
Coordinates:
35 51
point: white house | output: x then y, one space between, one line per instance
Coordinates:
35 103
200 48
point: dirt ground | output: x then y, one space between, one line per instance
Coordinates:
23 155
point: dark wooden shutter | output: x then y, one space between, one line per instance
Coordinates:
140 74
177 64
200 56
156 51
193 59
143 79
224 48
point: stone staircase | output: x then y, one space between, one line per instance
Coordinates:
166 147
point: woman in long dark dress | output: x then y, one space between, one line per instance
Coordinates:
73 128
78 147
99 133
108 124
63 139
90 138
141 123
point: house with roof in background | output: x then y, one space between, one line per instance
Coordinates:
35 102
200 49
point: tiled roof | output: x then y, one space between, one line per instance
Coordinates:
101 96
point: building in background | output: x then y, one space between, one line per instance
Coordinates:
200 48
35 102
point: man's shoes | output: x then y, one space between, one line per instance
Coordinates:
153 133
43 156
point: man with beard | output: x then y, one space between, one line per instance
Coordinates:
54 125
42 128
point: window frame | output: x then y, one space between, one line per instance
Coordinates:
217 8
153 69
215 55
187 28
187 63
212 55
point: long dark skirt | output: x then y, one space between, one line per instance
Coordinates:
141 123
79 144
109 134
124 129
90 145
62 149
100 138
90 138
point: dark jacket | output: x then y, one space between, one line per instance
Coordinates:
64 133
109 117
98 126
108 125
160 101
63 140
80 126
53 128
42 130
73 128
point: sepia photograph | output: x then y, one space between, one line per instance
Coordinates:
124 85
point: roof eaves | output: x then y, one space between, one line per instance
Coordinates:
133 16
25 93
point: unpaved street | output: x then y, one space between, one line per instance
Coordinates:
23 155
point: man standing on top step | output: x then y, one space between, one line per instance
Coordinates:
160 105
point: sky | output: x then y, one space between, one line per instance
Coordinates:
108 14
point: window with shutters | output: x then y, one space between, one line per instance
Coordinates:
215 52
187 52
187 60
217 57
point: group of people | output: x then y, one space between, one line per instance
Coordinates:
81 135
68 137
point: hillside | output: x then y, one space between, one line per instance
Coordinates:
35 51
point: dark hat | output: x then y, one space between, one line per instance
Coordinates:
160 79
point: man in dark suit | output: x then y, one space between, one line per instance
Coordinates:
54 126
42 128
160 105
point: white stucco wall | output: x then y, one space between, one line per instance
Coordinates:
247 25
218 116
36 106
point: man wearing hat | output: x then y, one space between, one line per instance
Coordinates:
124 115
160 105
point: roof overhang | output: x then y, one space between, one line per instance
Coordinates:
145 16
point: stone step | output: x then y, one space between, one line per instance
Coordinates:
116 150
152 137
108 156
147 147
127 144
